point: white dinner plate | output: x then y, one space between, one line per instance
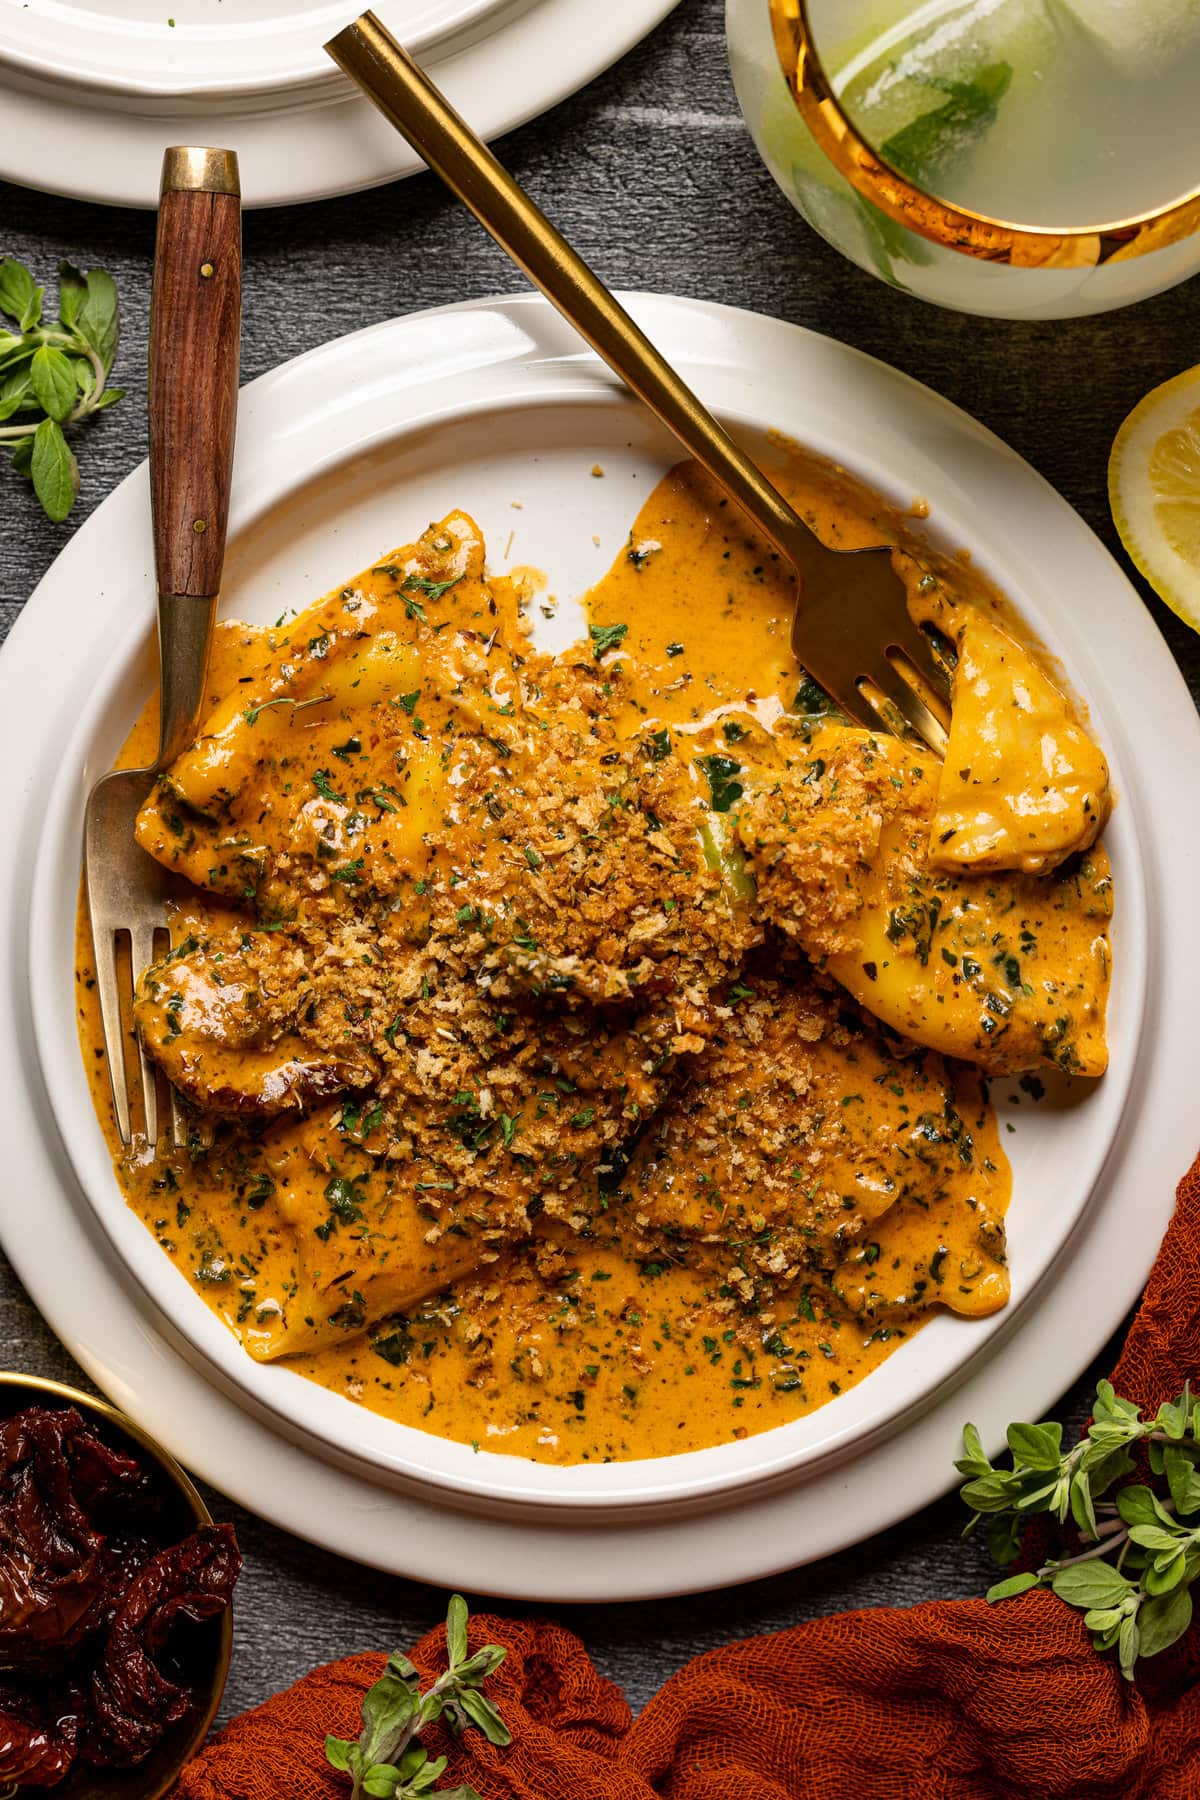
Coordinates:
199 49
339 454
90 118
372 475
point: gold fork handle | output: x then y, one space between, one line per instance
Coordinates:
195 329
370 55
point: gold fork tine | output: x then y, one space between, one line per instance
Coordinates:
848 697
917 648
898 693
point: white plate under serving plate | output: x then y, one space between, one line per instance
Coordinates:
204 49
87 109
343 452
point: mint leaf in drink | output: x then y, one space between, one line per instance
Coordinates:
56 372
925 147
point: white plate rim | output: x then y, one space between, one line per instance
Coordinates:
433 397
1112 1221
299 146
273 59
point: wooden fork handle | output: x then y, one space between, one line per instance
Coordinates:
195 330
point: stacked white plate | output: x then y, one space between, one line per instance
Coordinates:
92 90
341 453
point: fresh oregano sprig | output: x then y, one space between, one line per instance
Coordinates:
1132 1580
387 1760
54 373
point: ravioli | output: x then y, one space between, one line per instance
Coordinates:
805 1145
575 1052
1005 970
1023 785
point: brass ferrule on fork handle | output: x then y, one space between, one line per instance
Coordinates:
192 169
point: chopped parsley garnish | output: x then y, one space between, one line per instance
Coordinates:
325 787
605 638
429 590
723 785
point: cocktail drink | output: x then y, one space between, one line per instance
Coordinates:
1023 158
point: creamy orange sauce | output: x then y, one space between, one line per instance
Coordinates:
805 1190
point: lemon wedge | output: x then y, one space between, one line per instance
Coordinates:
1154 491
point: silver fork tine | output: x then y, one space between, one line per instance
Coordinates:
178 1124
104 945
141 955
195 318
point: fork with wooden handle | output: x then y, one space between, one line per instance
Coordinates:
851 628
195 329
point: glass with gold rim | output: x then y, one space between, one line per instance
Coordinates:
1016 158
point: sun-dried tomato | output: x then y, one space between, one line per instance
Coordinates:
91 1595
34 1752
137 1687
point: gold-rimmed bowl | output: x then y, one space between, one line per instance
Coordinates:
910 236
210 1644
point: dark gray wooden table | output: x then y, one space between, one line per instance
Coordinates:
651 174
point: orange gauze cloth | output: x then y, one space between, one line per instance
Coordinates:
953 1700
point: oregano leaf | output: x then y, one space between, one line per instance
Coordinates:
97 321
54 470
52 377
72 292
1015 1584
1036 1446
1090 1584
17 288
1128 1644
456 1630
337 1752
483 1714
1163 1621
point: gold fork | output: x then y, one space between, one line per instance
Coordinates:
195 325
851 628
